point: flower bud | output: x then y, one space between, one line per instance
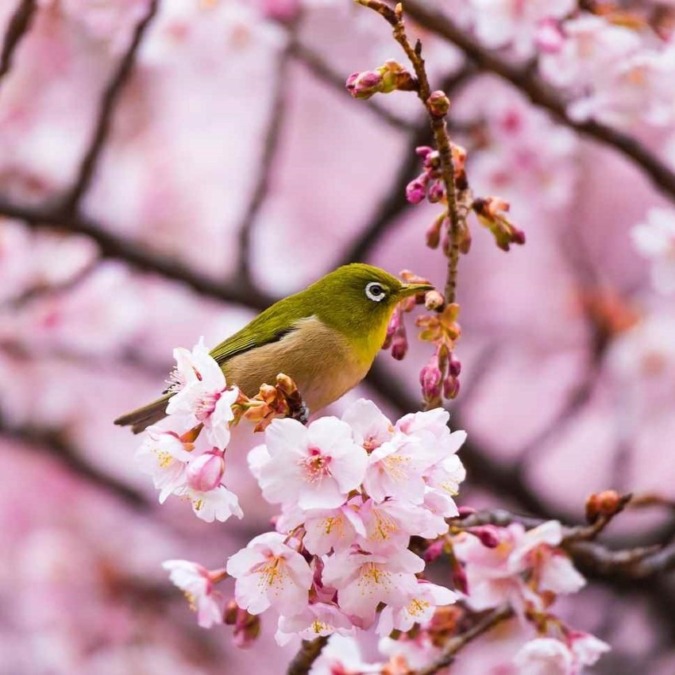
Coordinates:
434 551
459 579
487 534
399 344
416 191
431 380
450 387
466 511
455 366
605 504
206 471
395 77
434 232
438 104
364 85
433 300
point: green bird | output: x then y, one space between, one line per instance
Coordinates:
325 338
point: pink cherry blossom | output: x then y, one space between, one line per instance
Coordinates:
365 580
315 466
202 396
545 656
204 473
369 425
655 239
198 585
315 620
209 505
163 456
270 573
419 608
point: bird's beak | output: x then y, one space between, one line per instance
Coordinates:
414 289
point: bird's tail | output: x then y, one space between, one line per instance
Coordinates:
143 417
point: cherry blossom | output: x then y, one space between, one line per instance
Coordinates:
269 573
315 620
548 656
218 503
314 466
198 585
364 580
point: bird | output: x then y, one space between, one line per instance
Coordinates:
325 338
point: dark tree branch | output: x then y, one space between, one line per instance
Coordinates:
138 256
270 145
309 652
53 442
542 95
17 28
107 107
486 623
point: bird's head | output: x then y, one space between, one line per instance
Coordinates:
359 299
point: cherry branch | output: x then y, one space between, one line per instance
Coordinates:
270 145
107 107
542 95
309 652
437 105
54 442
484 624
17 28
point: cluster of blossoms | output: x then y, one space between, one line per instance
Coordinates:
364 504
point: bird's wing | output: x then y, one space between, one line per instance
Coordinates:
269 326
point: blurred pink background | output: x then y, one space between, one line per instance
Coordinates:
228 140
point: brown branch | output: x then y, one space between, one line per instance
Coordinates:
453 646
106 110
439 127
136 255
309 652
324 72
542 95
270 145
17 28
53 442
394 202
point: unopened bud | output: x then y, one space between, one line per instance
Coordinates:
206 471
487 534
434 232
438 104
450 387
459 580
431 380
416 191
433 300
436 192
606 503
466 511
399 345
364 85
455 366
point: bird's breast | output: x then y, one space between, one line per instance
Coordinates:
318 358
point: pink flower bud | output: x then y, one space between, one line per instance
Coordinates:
399 344
365 84
438 104
465 511
431 380
423 151
206 471
434 232
433 300
450 387
415 191
487 534
455 366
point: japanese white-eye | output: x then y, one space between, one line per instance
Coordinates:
325 338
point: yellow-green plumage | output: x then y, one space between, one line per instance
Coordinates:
325 338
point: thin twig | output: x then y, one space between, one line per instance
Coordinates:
315 63
541 94
453 646
309 652
137 255
270 145
106 110
17 28
394 202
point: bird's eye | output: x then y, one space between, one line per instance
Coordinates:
375 291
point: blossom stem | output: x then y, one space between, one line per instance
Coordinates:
309 652
453 646
439 128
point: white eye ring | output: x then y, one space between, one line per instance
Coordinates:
375 292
